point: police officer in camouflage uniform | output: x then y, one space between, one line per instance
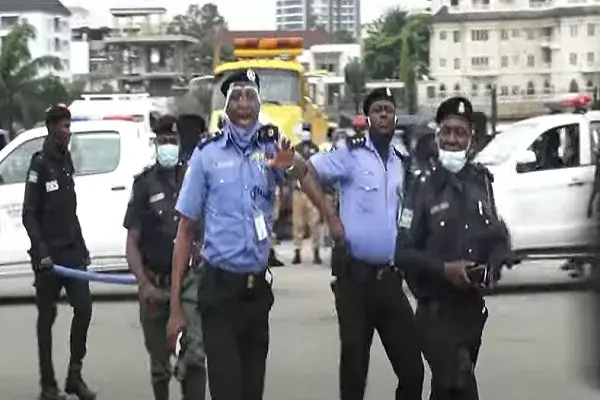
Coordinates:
151 221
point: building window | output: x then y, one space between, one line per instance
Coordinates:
504 34
442 90
57 25
456 36
530 34
515 33
590 58
479 35
573 59
8 22
530 61
457 88
442 35
56 44
530 88
504 61
474 89
457 63
442 63
573 87
590 85
454 3
515 90
591 29
480 62
547 87
430 92
574 29
503 90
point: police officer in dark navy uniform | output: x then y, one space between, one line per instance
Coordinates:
50 218
151 222
230 185
368 288
450 244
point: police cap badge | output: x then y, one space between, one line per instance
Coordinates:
454 106
247 76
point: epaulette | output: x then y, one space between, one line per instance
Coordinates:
356 142
268 133
38 155
216 136
483 170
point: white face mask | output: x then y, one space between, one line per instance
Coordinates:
167 155
453 161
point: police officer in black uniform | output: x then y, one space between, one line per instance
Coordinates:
50 218
450 243
151 222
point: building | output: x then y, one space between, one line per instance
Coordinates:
51 20
532 51
144 55
332 15
80 17
90 59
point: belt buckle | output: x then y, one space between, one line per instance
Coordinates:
250 282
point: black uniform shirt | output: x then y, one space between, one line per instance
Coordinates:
151 211
450 217
50 207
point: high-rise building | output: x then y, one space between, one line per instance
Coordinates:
333 15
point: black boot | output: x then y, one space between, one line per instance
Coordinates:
193 386
297 258
51 393
317 257
160 390
273 261
76 386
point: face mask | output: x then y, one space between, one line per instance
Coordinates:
453 161
167 155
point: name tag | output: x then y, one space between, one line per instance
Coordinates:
51 186
156 197
225 164
440 207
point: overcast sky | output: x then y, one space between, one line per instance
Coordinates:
262 11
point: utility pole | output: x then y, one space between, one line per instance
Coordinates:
217 43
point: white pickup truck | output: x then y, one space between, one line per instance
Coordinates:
106 156
543 177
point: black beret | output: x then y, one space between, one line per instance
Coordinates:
57 112
243 76
376 95
455 106
166 125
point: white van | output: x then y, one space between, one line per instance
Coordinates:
106 157
542 198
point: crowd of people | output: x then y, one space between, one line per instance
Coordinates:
200 243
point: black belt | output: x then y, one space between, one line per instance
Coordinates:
250 278
366 271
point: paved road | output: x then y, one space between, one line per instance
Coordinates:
529 351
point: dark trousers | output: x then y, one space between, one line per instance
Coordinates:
47 293
451 335
379 303
235 322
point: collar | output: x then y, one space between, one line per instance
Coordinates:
369 145
228 141
52 148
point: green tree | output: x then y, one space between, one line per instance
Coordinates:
26 85
385 38
355 78
344 37
205 24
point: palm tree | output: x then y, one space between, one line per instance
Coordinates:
24 80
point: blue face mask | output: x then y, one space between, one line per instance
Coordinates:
453 161
167 155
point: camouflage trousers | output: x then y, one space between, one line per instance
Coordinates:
190 367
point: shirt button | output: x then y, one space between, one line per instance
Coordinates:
466 226
470 251
442 223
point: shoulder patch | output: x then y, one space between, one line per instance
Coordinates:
217 135
357 141
268 133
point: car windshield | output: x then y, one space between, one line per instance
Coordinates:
277 86
506 143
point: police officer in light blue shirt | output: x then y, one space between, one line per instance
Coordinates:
230 185
368 287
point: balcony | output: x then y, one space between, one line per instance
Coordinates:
146 33
549 42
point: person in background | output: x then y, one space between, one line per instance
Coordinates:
192 129
151 223
50 218
305 215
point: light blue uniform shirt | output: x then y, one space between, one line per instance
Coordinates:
370 197
229 188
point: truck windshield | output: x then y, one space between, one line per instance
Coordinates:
277 86
505 144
